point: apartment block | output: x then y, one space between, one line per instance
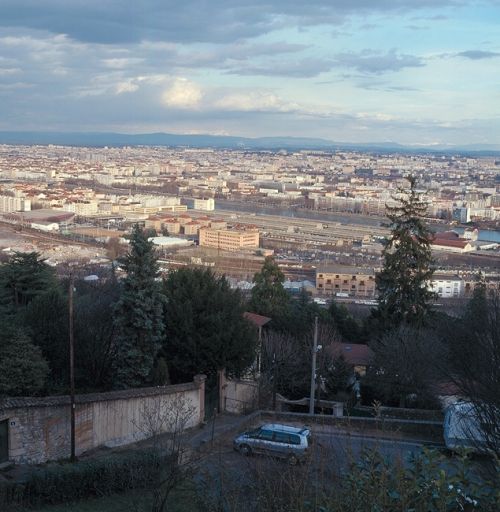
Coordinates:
229 239
14 204
447 286
204 204
345 281
191 228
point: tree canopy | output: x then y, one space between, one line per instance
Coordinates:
403 292
473 345
346 325
23 370
24 277
138 314
205 327
269 296
405 365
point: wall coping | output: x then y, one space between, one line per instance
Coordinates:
125 394
318 418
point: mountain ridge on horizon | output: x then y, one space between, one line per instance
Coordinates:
101 139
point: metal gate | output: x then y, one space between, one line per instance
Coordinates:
211 398
4 441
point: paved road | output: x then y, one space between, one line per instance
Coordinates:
331 452
225 472
347 448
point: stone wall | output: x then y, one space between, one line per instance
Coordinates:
39 428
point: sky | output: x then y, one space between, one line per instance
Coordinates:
416 72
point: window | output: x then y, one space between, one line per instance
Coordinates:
266 435
361 283
345 281
328 281
294 439
281 437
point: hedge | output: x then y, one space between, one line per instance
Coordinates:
66 482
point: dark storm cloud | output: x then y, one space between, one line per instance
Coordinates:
122 21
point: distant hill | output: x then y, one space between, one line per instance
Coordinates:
100 139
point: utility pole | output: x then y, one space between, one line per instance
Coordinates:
71 365
313 367
274 381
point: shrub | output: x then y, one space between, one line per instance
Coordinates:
430 483
66 482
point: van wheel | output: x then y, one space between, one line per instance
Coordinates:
292 460
245 450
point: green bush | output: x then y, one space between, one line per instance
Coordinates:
66 482
429 483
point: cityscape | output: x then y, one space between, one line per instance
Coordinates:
228 209
249 256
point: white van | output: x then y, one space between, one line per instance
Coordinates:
462 428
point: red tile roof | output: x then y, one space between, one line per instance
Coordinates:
450 243
257 320
356 354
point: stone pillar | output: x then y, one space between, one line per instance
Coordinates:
199 380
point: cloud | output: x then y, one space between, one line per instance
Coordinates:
372 62
303 68
121 62
416 27
121 21
366 62
9 71
182 94
371 84
128 86
198 65
478 54
257 101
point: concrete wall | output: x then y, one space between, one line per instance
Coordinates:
239 396
39 428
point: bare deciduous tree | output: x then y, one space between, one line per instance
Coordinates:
286 360
405 364
164 423
474 363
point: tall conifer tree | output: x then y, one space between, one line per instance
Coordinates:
138 314
403 292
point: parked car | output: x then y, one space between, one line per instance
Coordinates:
462 428
276 440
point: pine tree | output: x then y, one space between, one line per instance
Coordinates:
24 277
23 370
138 314
403 293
